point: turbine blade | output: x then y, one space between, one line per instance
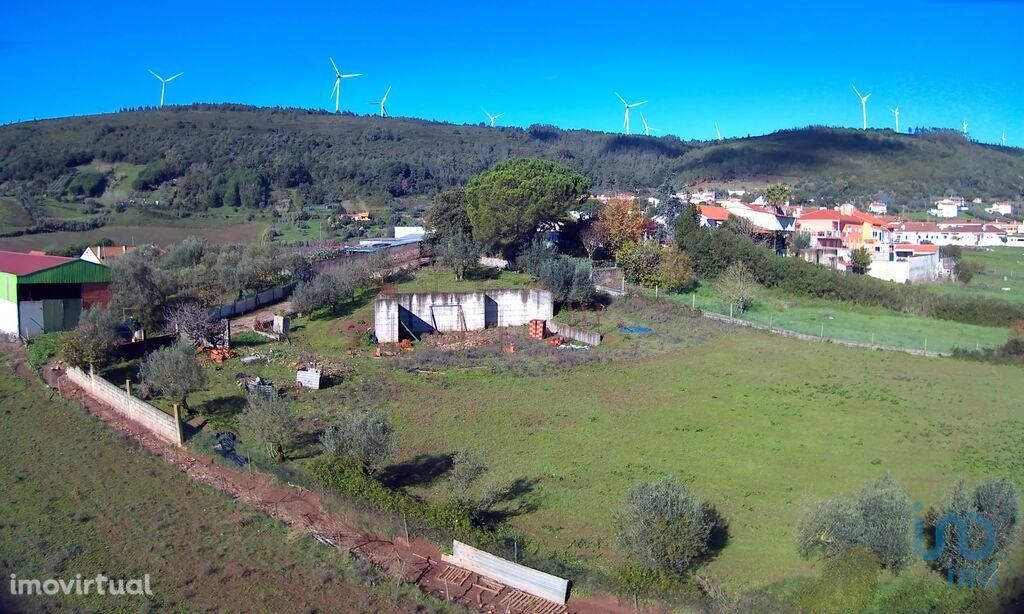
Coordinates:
333 89
856 91
154 74
385 98
622 99
357 74
637 104
169 79
498 115
336 71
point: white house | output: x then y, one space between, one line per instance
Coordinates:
908 263
1001 208
964 235
878 208
947 207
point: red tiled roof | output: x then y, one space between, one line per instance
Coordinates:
918 249
714 213
18 263
921 227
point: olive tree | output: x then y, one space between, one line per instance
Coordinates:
877 519
467 466
93 342
366 439
975 529
737 285
269 420
459 252
665 527
174 373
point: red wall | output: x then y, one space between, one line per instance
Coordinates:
95 294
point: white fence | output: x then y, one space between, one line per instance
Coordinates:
162 425
574 333
252 303
537 583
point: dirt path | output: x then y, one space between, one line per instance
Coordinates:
246 321
418 561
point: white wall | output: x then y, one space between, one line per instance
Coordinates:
915 269
8 317
425 312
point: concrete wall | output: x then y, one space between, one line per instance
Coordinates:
139 411
915 269
427 312
8 317
526 579
574 333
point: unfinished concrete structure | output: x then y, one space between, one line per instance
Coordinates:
400 316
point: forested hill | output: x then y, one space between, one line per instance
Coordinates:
253 156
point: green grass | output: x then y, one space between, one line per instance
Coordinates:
1004 268
758 424
79 499
441 279
12 215
837 320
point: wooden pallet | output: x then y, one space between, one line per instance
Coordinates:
455 575
519 601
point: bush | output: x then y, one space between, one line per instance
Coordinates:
174 372
268 419
848 583
675 270
93 342
664 527
42 348
88 184
639 262
964 510
877 519
365 439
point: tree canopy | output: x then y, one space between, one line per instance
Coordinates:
508 203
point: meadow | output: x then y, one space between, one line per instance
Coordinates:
1003 268
79 498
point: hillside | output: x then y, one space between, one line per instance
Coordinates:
68 173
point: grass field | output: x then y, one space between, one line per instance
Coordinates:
12 215
243 232
79 499
1004 268
837 320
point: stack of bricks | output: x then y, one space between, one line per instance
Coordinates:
538 329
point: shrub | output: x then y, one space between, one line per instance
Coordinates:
174 372
365 439
639 262
848 583
675 270
467 466
268 419
44 347
994 502
93 342
737 285
877 519
663 526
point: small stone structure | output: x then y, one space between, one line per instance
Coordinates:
400 316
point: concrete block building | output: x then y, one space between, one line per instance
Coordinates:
42 294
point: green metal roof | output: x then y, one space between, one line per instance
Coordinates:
74 272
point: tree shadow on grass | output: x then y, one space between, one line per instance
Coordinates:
422 470
220 410
482 273
347 308
513 499
305 444
719 537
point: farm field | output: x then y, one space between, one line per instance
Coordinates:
760 425
846 321
78 498
12 215
1004 268
160 235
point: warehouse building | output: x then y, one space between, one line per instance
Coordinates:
42 294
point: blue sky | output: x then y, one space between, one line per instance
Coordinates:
754 67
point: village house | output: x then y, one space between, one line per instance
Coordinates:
975 234
947 207
1000 208
712 216
836 232
42 294
99 254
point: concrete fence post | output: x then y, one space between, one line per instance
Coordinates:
128 387
177 425
92 377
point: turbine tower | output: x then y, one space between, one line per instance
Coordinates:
628 105
863 105
491 118
964 124
647 129
1004 137
163 83
336 91
382 101
896 112
718 132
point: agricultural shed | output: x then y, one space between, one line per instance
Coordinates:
41 294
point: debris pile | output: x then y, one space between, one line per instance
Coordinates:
219 355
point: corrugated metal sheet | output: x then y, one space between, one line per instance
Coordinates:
538 583
74 272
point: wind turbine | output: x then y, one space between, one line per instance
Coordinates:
628 105
1004 137
896 112
647 129
336 91
491 118
863 105
718 132
383 109
163 83
964 124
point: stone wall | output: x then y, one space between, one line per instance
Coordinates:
426 312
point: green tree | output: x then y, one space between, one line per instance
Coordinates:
447 215
467 466
458 251
665 527
174 372
737 285
994 502
639 262
675 270
877 519
139 287
777 194
92 343
860 260
269 420
366 439
508 203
